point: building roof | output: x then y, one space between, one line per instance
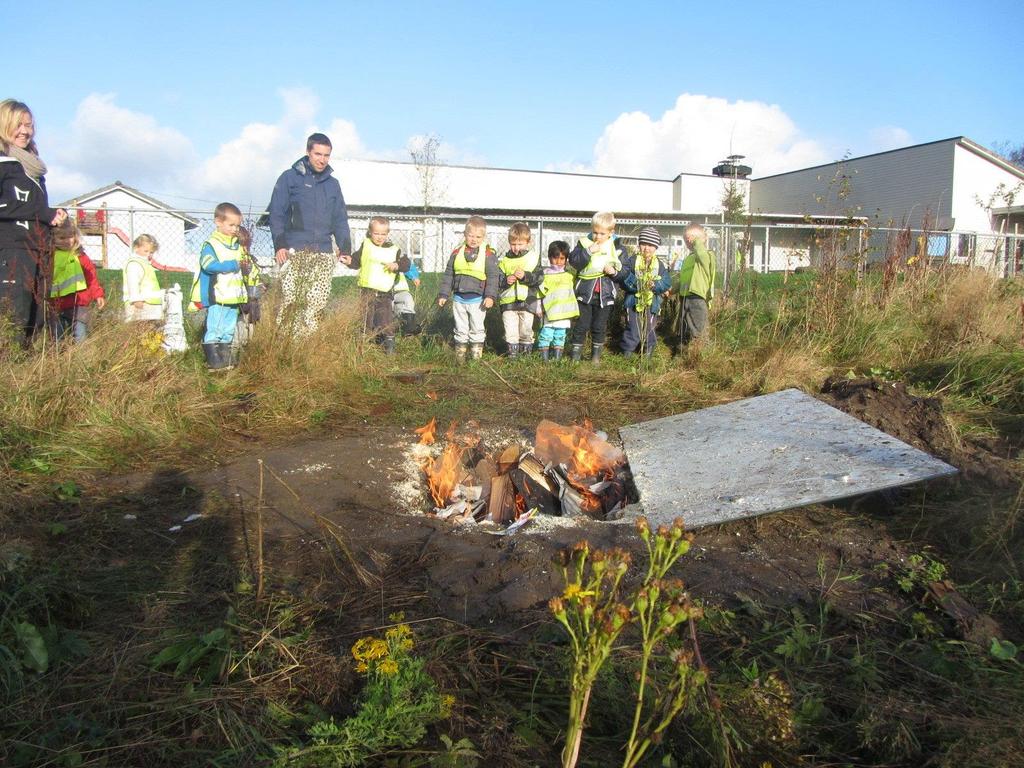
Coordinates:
81 200
517 170
963 141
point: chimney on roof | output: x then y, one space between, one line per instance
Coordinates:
731 168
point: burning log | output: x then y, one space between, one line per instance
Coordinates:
509 458
533 485
502 505
573 471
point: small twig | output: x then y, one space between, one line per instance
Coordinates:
501 378
259 536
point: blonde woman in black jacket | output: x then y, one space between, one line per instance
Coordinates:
25 218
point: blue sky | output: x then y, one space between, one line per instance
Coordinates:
204 101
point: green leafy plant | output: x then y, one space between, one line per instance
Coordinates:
68 491
207 656
594 612
398 703
457 754
30 638
1003 650
919 572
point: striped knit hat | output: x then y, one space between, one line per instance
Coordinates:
649 236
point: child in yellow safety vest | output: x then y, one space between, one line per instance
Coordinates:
140 289
521 273
557 301
223 264
74 286
597 262
471 281
379 261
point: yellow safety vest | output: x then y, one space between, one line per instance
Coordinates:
509 264
373 272
401 284
195 301
229 287
68 276
150 283
558 297
602 257
476 268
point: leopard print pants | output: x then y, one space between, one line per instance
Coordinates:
306 288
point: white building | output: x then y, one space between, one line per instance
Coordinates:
111 217
950 184
395 184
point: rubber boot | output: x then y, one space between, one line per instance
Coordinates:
557 351
226 357
595 354
628 354
525 350
476 351
460 353
513 350
210 353
544 353
575 352
388 345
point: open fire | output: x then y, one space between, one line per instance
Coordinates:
569 471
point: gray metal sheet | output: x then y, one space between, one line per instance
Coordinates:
764 454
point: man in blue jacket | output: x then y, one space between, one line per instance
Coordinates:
306 209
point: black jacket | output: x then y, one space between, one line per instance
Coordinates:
25 213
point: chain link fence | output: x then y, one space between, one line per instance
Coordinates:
108 234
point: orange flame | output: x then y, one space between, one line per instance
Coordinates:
428 432
444 472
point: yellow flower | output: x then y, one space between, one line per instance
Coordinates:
574 591
447 702
369 648
399 632
362 667
388 667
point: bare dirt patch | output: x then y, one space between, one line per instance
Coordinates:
366 481
919 421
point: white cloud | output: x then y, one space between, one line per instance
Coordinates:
107 142
888 137
245 168
697 132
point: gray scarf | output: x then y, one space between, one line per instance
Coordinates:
34 166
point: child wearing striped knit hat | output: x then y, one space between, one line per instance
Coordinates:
646 281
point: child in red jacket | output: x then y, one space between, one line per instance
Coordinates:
74 286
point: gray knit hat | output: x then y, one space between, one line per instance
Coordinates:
649 236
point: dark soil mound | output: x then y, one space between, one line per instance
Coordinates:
918 421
